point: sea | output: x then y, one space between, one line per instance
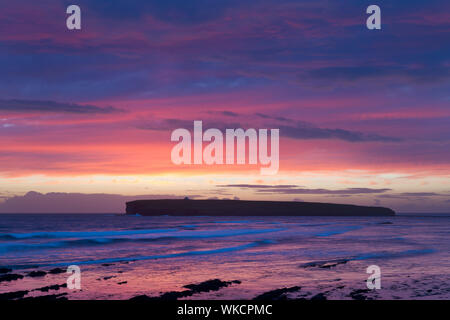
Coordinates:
126 256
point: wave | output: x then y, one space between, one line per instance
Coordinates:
155 257
178 235
313 224
342 230
391 255
80 234
237 222
367 256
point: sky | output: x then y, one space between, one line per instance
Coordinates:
364 115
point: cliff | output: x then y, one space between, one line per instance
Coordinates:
249 208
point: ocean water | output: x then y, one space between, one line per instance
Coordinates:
121 257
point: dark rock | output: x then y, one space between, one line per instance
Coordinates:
10 277
56 271
142 297
278 294
5 270
358 297
325 264
210 285
358 294
122 282
13 295
50 297
333 263
35 274
174 295
319 296
106 278
206 286
52 287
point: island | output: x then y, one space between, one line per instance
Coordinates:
187 207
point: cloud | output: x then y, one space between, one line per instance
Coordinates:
34 202
295 130
227 113
265 116
304 130
17 105
420 194
293 189
172 124
411 195
429 73
259 186
254 38
173 11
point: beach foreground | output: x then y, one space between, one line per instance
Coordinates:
268 258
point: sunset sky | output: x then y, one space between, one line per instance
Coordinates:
364 115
